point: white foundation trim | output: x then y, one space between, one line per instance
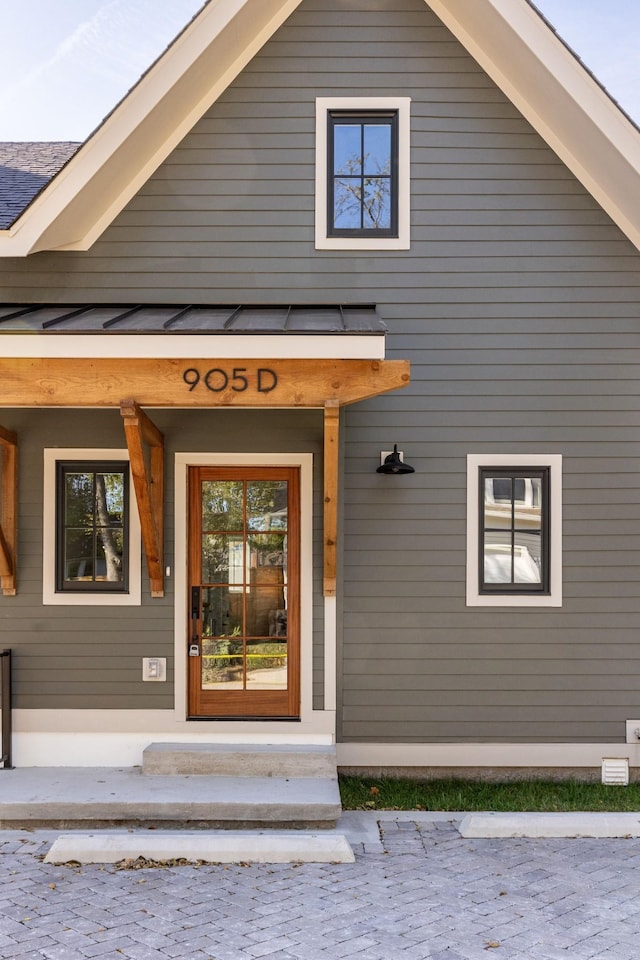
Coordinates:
159 346
483 754
49 596
305 462
554 462
117 738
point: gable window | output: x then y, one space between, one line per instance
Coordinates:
514 530
92 521
362 173
91 529
362 167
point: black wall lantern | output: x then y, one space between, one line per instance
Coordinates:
395 464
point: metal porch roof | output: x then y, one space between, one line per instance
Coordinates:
192 318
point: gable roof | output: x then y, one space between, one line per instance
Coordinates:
509 39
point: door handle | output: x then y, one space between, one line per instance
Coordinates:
194 646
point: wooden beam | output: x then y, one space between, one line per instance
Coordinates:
9 512
330 527
102 382
148 483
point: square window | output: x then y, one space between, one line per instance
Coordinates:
514 530
362 173
91 535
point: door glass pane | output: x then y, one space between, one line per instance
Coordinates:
222 505
221 612
222 664
267 505
222 558
267 665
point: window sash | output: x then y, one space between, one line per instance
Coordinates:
515 474
361 118
93 467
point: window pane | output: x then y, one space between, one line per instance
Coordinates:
347 148
110 498
377 203
222 505
78 554
527 561
78 503
497 557
109 554
347 209
377 148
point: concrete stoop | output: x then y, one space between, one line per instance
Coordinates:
186 786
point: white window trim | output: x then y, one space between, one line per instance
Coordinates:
554 463
403 106
51 597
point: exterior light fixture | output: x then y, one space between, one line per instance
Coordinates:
395 464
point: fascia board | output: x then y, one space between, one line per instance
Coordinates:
550 87
115 162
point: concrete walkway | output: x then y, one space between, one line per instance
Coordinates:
417 889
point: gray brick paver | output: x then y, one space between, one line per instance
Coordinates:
431 896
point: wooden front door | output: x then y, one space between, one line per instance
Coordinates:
244 592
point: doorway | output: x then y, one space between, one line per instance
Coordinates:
244 592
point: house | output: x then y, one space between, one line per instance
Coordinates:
314 232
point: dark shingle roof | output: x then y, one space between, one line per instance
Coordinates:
25 168
200 318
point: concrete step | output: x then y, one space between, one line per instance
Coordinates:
240 760
72 798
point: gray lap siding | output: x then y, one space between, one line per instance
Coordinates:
517 305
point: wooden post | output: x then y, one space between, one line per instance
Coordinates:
149 487
331 460
9 512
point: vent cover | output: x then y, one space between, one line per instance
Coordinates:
615 771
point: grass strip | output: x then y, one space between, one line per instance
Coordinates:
364 793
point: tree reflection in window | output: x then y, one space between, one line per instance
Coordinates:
92 525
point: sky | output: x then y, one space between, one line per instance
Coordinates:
67 63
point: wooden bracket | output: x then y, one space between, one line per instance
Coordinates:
8 511
148 483
331 460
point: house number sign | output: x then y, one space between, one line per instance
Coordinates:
239 379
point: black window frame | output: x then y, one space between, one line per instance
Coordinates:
63 467
543 588
335 117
